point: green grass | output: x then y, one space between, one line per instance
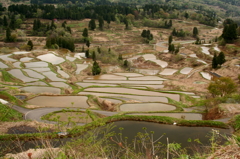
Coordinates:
7 77
8 114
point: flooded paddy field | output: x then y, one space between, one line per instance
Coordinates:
60 101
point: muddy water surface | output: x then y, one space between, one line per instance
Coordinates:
175 97
146 107
129 97
51 58
36 89
168 71
18 74
60 101
186 70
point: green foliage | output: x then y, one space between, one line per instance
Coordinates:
229 33
170 39
30 44
221 58
88 43
96 70
9 114
120 58
94 56
85 33
236 123
125 64
222 86
7 77
195 31
100 22
179 33
214 61
147 35
87 54
92 24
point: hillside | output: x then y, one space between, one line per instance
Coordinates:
71 66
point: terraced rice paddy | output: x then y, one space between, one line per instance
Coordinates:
19 74
146 107
168 71
33 74
60 101
7 58
206 75
129 97
52 76
153 58
62 73
60 84
36 64
186 70
2 65
117 90
51 58
26 59
80 67
37 90
47 76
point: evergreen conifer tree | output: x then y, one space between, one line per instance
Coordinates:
214 61
221 58
85 32
30 44
94 56
96 70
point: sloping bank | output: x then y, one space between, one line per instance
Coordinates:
78 130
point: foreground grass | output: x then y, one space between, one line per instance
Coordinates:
9 114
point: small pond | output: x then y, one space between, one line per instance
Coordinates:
60 101
175 134
147 107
